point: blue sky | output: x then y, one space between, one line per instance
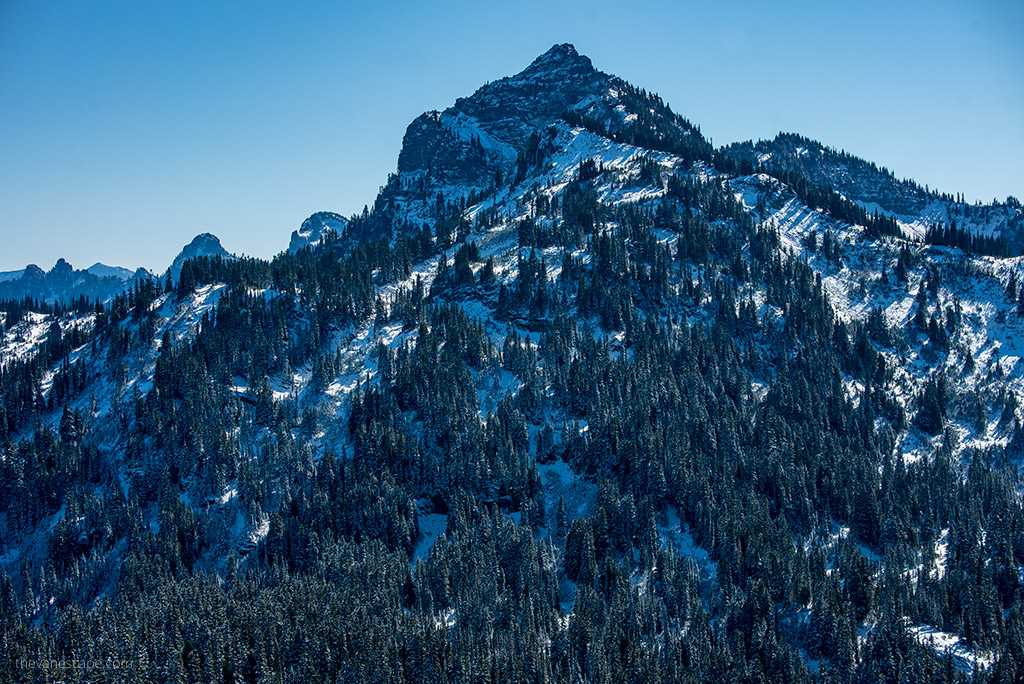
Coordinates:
129 127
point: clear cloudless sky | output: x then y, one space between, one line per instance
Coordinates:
127 127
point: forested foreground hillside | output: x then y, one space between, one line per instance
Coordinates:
581 399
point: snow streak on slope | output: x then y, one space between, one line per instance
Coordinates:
23 339
944 642
937 212
575 145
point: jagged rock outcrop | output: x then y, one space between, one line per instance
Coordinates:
315 229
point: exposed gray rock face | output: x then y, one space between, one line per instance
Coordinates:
499 117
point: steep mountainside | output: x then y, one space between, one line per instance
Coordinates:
580 399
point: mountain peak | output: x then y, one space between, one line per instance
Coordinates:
205 240
316 228
33 272
499 118
560 58
101 270
62 268
204 244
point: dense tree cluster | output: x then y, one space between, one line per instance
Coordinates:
653 126
952 236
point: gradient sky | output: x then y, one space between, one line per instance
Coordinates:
129 127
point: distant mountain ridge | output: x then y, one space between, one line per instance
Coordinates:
63 283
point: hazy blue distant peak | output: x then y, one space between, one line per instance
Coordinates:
100 270
11 275
33 272
103 271
63 283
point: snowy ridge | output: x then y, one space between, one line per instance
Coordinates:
988 222
876 189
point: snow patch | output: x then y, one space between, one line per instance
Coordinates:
432 525
945 642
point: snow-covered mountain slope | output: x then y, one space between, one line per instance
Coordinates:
502 130
462 148
869 282
569 378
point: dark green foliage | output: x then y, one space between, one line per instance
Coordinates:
951 236
654 126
